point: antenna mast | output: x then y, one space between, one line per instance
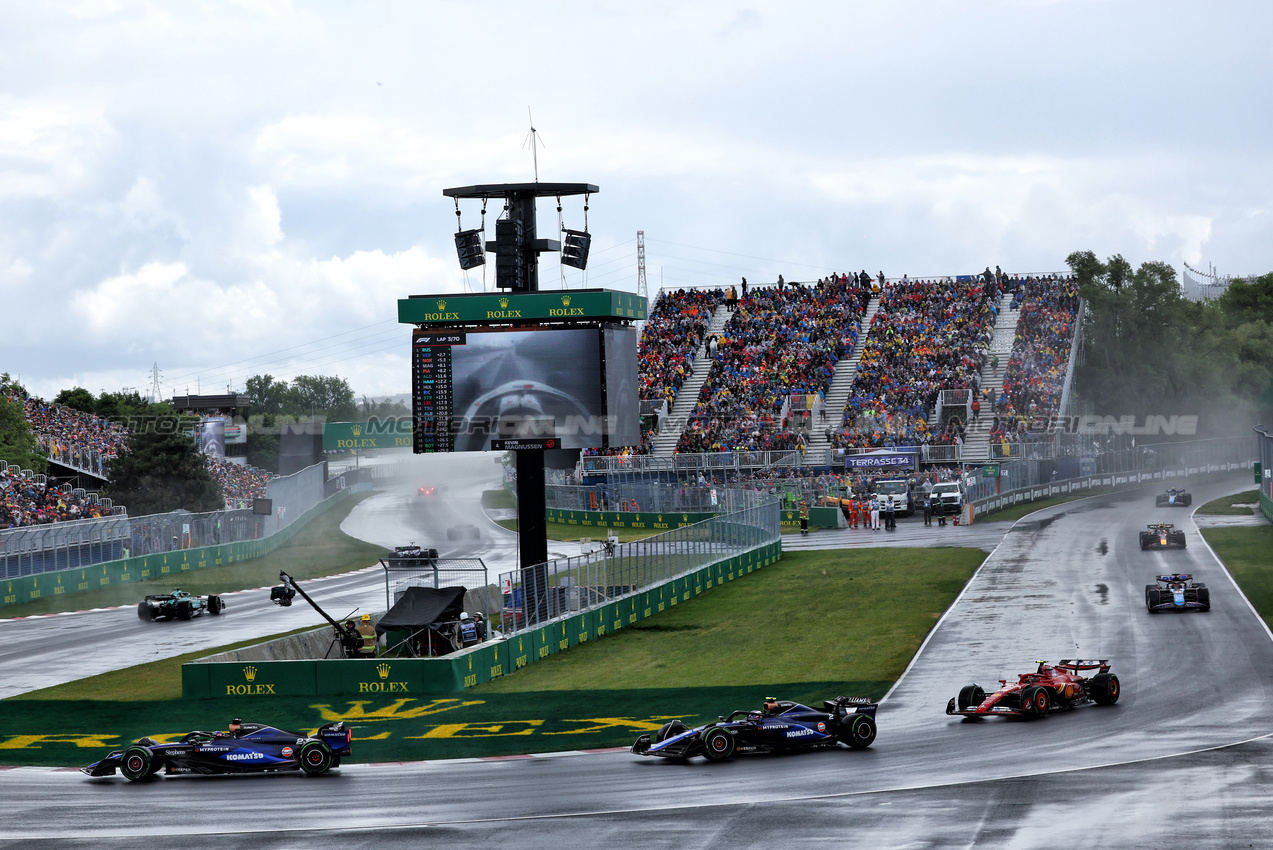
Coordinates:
532 139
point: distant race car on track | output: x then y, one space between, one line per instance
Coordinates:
1177 592
1174 498
1162 535
252 748
177 605
1050 688
780 726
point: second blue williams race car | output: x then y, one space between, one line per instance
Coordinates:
246 748
780 726
1177 592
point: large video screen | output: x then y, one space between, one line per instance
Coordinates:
474 386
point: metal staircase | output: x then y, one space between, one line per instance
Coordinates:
977 433
664 443
840 390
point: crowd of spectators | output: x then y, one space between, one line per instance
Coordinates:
677 326
1035 376
25 501
780 341
926 336
239 484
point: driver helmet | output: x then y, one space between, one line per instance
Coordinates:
771 704
235 725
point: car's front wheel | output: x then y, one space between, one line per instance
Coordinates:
1036 701
136 763
215 605
971 696
315 758
718 744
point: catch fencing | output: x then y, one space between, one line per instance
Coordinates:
37 549
537 595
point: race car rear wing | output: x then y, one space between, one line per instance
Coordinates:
1078 664
1177 577
1154 526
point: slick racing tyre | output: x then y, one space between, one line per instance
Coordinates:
718 744
136 763
184 610
670 730
1204 597
1035 701
971 696
315 758
1153 597
861 732
215 605
144 612
1104 688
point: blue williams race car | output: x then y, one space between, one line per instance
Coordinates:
1173 498
1177 592
246 748
780 726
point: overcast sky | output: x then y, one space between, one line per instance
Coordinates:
228 189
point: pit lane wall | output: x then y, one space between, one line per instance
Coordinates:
145 567
244 676
1169 477
1265 482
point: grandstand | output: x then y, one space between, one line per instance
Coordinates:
791 373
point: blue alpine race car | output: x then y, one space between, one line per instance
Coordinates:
251 748
781 726
1177 592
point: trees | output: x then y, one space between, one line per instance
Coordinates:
17 443
1150 351
307 395
161 469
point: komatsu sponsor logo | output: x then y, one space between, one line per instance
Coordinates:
245 756
800 733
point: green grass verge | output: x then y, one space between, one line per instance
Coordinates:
1237 504
811 617
497 499
1015 512
1248 553
321 549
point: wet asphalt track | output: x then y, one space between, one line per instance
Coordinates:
1181 761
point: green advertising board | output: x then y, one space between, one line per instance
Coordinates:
990 470
496 308
389 433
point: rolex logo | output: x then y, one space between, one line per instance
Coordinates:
565 300
441 304
503 303
383 670
357 429
685 517
249 673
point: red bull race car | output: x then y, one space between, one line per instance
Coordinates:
1177 592
1049 688
1162 535
246 748
780 726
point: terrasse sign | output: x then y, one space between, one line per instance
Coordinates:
886 461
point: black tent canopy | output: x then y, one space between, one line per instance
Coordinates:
422 607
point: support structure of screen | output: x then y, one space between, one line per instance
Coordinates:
573 384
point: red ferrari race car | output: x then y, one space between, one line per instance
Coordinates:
1050 688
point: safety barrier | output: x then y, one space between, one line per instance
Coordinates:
1265 482
43 585
1106 481
411 677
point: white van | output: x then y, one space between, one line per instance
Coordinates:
950 494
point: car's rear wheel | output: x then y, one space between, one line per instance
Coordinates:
136 763
1104 689
144 611
184 610
315 758
1036 701
669 730
970 696
215 605
861 732
718 744
1204 597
